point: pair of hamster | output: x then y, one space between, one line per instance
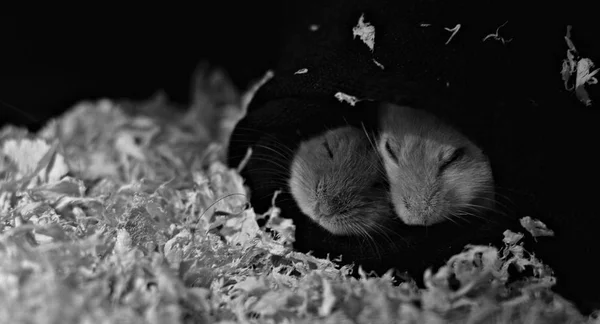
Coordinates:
418 168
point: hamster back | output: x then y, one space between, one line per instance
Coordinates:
337 180
435 172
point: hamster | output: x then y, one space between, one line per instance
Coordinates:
337 180
435 172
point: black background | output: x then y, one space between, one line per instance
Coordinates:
49 62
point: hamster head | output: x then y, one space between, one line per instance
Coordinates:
435 173
337 180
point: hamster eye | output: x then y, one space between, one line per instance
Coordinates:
456 155
329 151
389 150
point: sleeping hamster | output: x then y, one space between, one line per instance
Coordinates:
337 180
435 172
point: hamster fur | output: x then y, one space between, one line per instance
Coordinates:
338 181
435 172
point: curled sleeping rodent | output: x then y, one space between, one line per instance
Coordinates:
337 180
435 172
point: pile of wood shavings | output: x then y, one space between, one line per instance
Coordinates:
108 217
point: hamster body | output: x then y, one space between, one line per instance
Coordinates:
435 172
337 180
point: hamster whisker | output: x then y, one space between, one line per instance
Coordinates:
351 231
262 134
383 232
283 185
265 196
271 171
339 173
450 217
501 198
395 221
373 165
485 188
282 151
373 144
372 138
463 217
469 216
270 160
475 207
268 156
278 179
378 168
512 190
222 198
478 206
279 173
482 194
372 141
462 213
249 139
283 181
475 211
251 142
284 200
494 208
382 172
369 239
278 153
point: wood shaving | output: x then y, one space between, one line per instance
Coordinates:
365 31
497 36
454 31
342 97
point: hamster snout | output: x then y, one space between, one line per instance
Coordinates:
337 180
435 172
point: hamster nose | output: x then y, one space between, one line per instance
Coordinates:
321 210
320 187
406 203
336 201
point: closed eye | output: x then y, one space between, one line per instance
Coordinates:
456 156
389 150
329 151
